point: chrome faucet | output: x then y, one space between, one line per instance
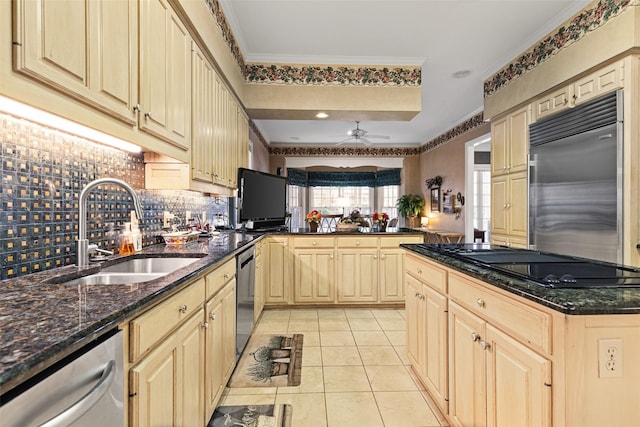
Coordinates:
82 253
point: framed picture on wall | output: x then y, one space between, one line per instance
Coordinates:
435 199
448 203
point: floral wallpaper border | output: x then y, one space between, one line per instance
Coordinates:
462 128
218 14
574 29
333 75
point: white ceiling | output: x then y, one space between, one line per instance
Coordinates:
443 36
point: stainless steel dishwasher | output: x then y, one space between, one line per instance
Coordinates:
85 389
245 279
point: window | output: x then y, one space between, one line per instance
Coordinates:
389 199
341 200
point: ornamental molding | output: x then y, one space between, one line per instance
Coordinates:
571 31
461 129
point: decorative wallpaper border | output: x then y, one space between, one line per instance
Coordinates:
225 30
462 128
340 75
342 151
574 29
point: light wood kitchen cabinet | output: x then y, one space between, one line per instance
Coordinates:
391 266
509 177
510 142
597 83
85 49
314 271
203 113
166 387
165 74
426 311
509 206
494 379
260 271
357 269
278 276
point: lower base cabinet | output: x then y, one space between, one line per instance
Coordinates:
177 377
166 386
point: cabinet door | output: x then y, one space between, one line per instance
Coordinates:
499 213
499 147
390 275
165 73
467 372
518 142
277 277
214 375
166 386
415 323
518 383
202 116
434 344
357 275
607 79
314 275
229 328
91 57
517 206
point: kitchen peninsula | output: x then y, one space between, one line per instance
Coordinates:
45 318
493 348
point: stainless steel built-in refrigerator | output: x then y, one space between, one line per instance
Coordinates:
575 175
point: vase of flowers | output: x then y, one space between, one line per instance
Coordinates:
380 220
313 218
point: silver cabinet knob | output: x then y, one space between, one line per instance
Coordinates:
205 325
137 108
480 302
183 308
484 345
226 276
147 115
474 337
212 316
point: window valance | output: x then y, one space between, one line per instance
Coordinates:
343 179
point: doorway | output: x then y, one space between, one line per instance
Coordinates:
478 185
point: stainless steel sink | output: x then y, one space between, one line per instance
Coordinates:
149 265
133 271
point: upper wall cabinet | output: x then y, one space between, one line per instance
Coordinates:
90 50
510 142
165 73
86 49
605 79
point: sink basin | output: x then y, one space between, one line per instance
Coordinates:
133 271
149 265
115 278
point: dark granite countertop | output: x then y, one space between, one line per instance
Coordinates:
41 322
586 301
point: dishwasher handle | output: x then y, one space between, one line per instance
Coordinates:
87 401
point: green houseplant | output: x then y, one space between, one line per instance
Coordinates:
410 205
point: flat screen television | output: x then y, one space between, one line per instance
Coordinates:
262 199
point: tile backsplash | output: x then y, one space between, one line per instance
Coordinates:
43 172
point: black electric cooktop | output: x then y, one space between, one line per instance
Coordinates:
545 269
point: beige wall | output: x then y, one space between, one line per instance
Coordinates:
260 153
448 161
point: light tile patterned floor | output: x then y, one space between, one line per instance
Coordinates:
355 370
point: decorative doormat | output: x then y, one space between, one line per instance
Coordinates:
252 416
269 361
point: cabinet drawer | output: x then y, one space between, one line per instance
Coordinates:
313 242
357 242
219 277
146 330
427 272
394 242
521 321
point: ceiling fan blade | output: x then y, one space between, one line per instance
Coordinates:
378 136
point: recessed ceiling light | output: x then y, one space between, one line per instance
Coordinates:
461 74
322 115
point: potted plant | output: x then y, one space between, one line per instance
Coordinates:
410 205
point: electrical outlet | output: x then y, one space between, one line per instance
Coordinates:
610 358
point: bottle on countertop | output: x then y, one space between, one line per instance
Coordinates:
136 235
126 240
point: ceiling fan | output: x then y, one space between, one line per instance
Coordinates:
360 135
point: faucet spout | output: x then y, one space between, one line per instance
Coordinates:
82 252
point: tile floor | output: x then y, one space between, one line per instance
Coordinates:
355 371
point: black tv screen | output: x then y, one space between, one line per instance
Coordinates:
262 197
